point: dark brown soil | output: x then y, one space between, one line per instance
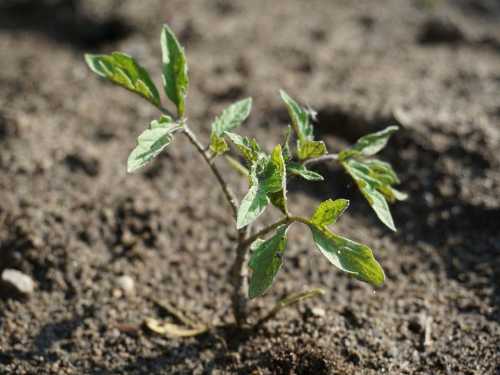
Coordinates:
73 220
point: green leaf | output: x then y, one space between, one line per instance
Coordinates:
266 261
151 142
371 189
300 118
349 256
310 149
124 71
300 170
398 195
370 144
218 145
253 204
278 198
232 117
248 147
329 211
287 153
175 70
267 184
273 178
382 171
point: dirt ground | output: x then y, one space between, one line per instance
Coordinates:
72 219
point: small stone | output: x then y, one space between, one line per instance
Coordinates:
16 283
318 312
126 284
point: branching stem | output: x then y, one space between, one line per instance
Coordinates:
231 198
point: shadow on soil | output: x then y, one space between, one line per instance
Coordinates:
463 235
63 21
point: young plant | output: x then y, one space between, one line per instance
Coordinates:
268 174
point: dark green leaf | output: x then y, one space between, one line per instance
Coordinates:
349 256
124 71
151 142
329 211
300 118
300 170
266 261
175 70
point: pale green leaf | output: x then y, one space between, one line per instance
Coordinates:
300 170
398 195
151 142
300 118
218 145
266 261
287 153
253 204
124 71
276 183
382 171
232 117
370 144
248 147
349 256
371 188
175 70
329 211
310 149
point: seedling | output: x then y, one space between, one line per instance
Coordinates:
268 174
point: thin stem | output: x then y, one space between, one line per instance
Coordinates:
321 159
239 279
266 230
231 198
288 301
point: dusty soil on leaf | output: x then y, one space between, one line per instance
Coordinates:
73 220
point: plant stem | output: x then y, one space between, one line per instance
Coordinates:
231 198
288 301
321 159
267 229
239 279
239 269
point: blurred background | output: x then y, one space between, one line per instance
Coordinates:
92 247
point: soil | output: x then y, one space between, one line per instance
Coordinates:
73 220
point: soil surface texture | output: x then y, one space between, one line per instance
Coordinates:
76 224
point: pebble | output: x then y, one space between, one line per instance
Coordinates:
16 282
318 312
126 284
